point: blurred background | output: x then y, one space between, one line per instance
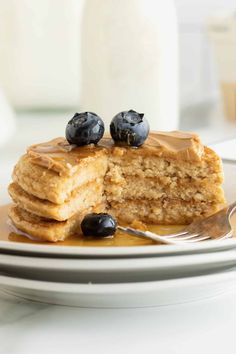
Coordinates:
175 60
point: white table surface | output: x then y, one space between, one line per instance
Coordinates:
206 326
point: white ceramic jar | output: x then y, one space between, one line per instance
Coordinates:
130 59
222 32
7 120
39 51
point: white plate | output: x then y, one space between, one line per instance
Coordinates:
116 270
112 252
140 294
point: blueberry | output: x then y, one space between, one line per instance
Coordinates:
98 225
129 127
84 128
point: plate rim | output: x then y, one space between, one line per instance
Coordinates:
114 288
111 251
111 264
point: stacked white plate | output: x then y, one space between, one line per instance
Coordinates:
117 277
120 276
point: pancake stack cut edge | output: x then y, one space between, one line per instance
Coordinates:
171 179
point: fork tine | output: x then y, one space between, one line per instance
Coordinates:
145 234
186 236
177 234
137 232
197 239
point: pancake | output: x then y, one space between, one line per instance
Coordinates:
125 187
89 195
46 229
162 212
49 184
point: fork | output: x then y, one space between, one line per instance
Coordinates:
216 226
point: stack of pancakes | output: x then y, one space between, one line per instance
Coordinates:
171 179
